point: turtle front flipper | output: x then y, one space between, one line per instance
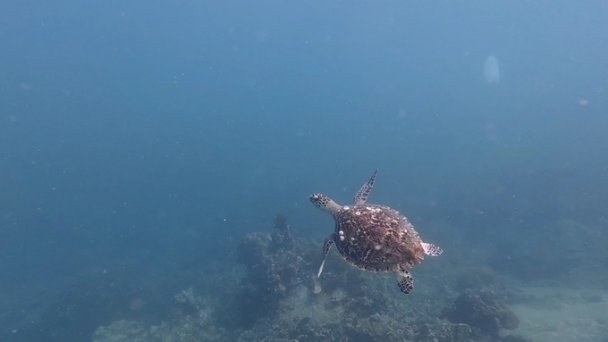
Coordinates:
326 246
405 281
361 196
431 250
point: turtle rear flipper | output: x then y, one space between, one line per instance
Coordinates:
326 246
361 196
431 250
405 281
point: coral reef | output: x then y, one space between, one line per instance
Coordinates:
280 298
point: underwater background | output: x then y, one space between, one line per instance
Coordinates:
156 159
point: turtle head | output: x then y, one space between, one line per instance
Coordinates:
325 203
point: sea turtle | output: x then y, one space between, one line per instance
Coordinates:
374 237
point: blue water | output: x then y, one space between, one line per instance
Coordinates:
156 134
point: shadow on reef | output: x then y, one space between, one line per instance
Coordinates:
278 297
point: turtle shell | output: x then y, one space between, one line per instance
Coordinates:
377 238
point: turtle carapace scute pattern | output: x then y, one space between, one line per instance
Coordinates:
374 237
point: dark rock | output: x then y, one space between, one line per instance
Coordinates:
484 311
475 278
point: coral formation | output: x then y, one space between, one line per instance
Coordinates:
273 264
